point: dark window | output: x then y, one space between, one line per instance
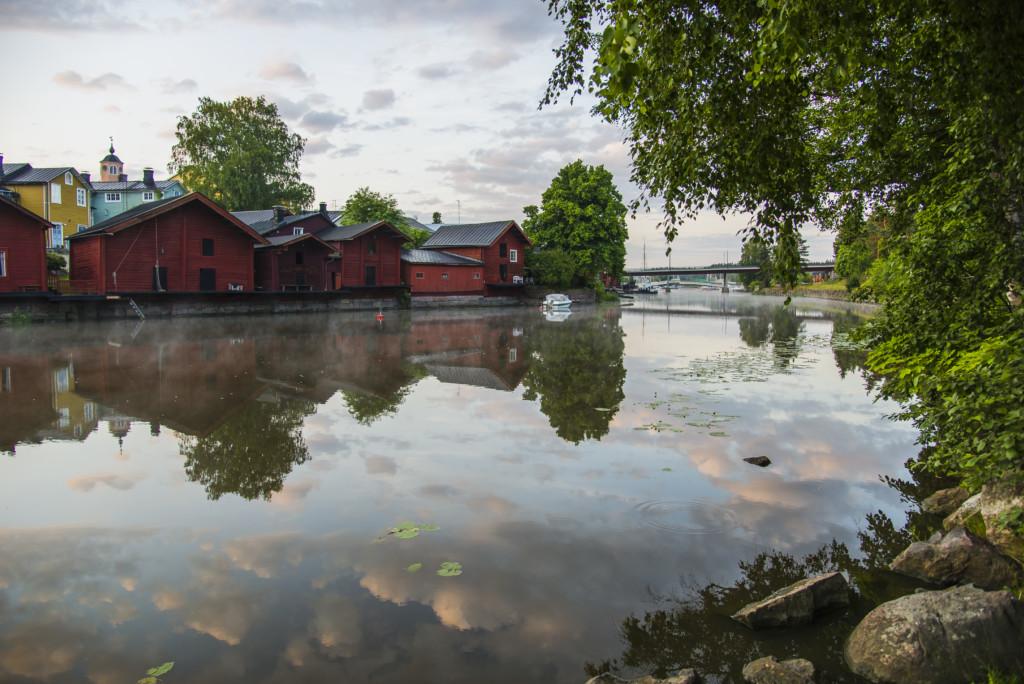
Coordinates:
503 250
444 276
503 272
371 244
207 247
419 275
298 258
160 278
371 275
207 279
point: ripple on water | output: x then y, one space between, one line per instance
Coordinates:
694 516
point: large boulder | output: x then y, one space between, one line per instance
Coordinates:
770 671
797 603
983 515
945 501
959 558
939 637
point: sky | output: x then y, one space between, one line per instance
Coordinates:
432 101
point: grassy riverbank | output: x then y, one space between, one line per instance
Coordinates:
829 289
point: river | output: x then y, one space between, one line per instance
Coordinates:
272 499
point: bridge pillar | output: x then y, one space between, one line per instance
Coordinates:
725 283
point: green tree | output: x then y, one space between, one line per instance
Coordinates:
436 218
756 252
805 112
551 267
582 214
365 205
241 155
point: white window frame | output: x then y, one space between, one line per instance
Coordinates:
444 276
476 275
112 170
148 195
513 354
80 197
55 193
112 197
419 275
68 178
298 230
54 244
513 256
3 263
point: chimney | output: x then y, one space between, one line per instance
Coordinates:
279 213
323 209
122 178
86 176
147 177
1 162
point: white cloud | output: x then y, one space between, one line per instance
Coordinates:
382 98
285 71
73 79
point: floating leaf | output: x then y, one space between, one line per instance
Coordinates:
430 527
666 470
161 670
415 567
718 434
147 680
450 569
407 532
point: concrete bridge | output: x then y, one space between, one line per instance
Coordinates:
723 270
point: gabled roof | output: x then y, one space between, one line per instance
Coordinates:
131 186
413 223
287 240
470 234
148 210
353 231
262 220
25 174
4 202
437 257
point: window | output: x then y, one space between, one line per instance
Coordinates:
89 411
513 354
503 250
419 275
5 380
444 276
112 170
3 264
112 197
55 193
476 275
81 227
80 197
207 247
62 379
299 258
513 255
371 244
57 235
298 230
68 179
148 196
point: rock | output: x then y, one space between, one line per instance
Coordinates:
945 501
967 516
797 603
934 637
762 461
982 515
959 558
771 671
687 676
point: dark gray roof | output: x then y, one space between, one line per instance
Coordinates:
262 220
436 256
466 234
413 223
124 216
253 216
130 186
468 375
20 174
347 232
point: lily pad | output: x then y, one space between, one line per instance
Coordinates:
666 470
408 530
415 567
718 434
450 569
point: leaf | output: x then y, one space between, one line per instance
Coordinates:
415 567
161 670
407 532
148 680
429 527
450 569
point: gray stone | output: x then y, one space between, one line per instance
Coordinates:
797 603
762 461
998 500
967 515
959 558
945 501
687 676
935 637
770 671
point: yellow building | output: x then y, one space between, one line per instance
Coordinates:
59 195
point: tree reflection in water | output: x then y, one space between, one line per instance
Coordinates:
252 452
577 372
778 325
696 630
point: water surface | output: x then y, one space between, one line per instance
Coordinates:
220 493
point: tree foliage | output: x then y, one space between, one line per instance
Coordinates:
241 155
802 111
756 252
582 214
436 218
365 205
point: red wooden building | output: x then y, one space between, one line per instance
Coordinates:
182 244
500 245
371 255
296 263
434 272
22 249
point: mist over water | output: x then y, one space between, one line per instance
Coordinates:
220 493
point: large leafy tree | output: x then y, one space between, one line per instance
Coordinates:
241 155
365 205
802 111
582 214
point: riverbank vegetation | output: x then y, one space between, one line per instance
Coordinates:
896 124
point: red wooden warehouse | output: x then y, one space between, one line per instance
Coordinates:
434 272
22 249
182 244
371 255
500 245
296 263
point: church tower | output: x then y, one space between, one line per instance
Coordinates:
111 167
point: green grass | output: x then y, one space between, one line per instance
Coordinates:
826 286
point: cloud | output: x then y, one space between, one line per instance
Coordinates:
491 60
434 72
378 99
347 151
285 71
318 145
172 87
396 122
71 16
73 79
323 121
89 482
381 465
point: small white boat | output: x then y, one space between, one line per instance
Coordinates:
557 302
557 315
